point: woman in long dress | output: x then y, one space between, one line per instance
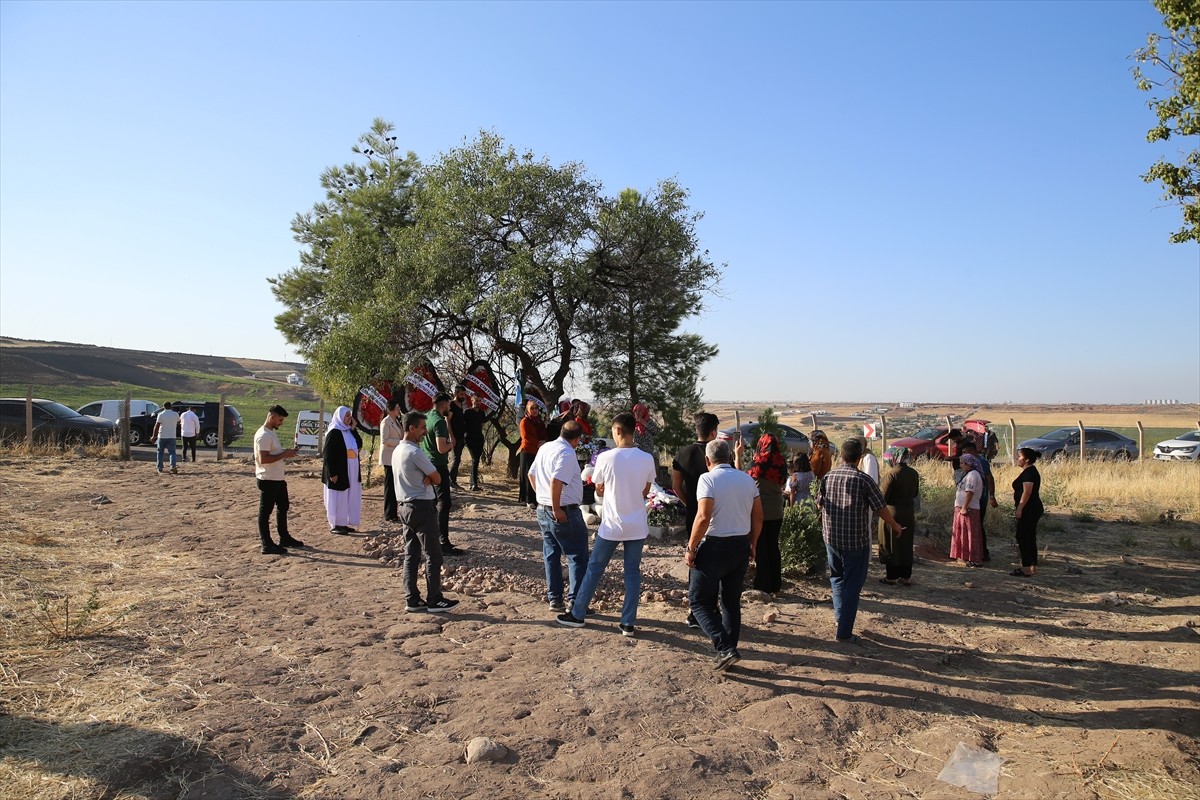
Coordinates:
341 473
901 486
1027 497
770 474
966 538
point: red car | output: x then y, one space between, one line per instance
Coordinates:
935 442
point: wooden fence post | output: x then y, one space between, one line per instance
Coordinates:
813 418
883 429
1012 448
1141 441
29 419
221 427
321 428
126 424
1082 441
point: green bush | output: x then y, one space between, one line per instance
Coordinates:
800 540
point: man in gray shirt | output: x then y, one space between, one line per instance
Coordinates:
416 509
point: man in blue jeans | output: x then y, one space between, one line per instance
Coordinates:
165 430
557 485
728 522
846 499
622 477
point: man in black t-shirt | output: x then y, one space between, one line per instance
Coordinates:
458 427
689 465
686 469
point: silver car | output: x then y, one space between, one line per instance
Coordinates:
1100 443
795 441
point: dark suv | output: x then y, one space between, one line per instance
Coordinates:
207 412
53 423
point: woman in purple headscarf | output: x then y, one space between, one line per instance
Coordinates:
966 538
341 474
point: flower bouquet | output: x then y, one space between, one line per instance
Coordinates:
663 508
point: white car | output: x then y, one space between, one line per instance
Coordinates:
1185 448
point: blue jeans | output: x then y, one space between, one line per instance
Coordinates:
847 574
169 446
602 553
560 539
719 571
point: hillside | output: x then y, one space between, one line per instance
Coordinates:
25 362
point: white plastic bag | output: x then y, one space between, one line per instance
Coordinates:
973 768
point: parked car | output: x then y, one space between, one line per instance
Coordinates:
141 417
934 442
796 441
1184 448
207 412
53 423
1100 443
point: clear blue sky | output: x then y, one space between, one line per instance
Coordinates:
915 201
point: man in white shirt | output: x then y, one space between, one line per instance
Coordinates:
269 456
622 477
189 429
557 484
728 522
415 478
165 426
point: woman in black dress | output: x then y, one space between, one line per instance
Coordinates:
1028 500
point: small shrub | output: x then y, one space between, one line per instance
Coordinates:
800 540
1082 516
1184 542
55 618
1128 540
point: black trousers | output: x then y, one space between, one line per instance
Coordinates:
983 507
768 561
895 573
443 504
525 492
389 494
476 451
272 495
456 458
1027 537
189 441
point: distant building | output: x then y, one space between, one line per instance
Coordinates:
908 405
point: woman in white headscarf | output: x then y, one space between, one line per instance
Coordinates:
341 473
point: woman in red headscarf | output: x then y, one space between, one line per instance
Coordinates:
770 474
645 430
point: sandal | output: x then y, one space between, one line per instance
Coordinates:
905 582
1020 573
887 581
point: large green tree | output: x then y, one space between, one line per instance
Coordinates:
1176 68
649 275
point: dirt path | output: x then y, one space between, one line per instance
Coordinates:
241 675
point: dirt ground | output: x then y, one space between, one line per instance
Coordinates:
211 671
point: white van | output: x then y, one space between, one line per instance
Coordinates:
111 409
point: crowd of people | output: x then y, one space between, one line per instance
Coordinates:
732 516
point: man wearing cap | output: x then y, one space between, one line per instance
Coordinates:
269 456
557 485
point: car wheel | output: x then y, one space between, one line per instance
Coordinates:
135 436
210 438
1122 455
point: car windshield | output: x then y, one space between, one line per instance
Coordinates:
928 434
1057 436
1194 436
58 410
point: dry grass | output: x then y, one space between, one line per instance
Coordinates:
52 737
